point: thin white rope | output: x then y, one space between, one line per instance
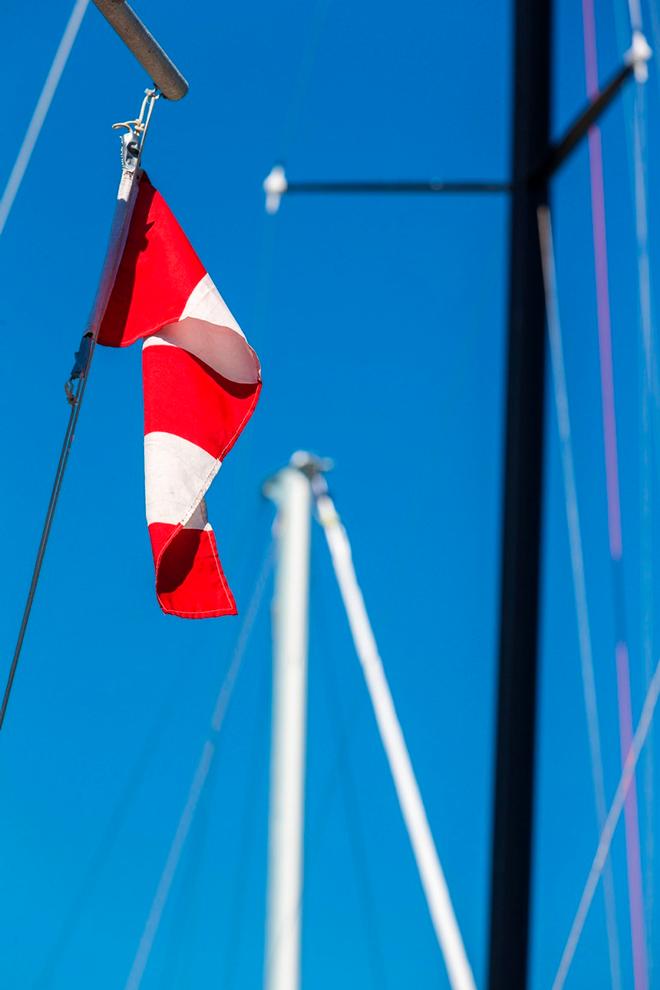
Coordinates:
577 569
407 789
655 32
41 110
641 230
636 903
646 603
649 393
635 11
649 390
163 888
295 108
174 855
607 834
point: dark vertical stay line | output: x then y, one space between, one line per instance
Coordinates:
521 539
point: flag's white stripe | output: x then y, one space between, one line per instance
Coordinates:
208 330
177 473
206 303
41 109
156 341
219 347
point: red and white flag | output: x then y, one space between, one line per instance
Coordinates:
201 384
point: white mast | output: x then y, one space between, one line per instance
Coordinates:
290 490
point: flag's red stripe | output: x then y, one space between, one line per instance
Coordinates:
190 582
158 271
182 395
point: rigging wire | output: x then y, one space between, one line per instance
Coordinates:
257 778
124 802
183 924
315 832
647 585
113 827
69 434
318 819
607 834
307 63
633 851
578 572
77 383
635 11
655 30
41 110
649 393
198 782
107 840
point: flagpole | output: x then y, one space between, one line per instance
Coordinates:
132 143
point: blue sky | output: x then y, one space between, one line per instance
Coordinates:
380 323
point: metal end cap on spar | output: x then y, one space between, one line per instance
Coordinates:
275 185
638 56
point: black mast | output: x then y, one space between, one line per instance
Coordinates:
522 519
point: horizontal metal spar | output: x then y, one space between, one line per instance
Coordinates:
399 187
277 184
144 46
634 64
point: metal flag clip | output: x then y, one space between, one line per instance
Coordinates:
132 142
81 362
